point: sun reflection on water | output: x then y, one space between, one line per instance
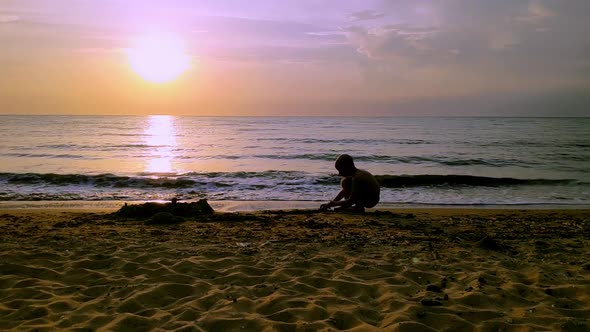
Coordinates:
160 136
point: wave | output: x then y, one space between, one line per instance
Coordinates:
101 180
346 141
441 160
143 151
400 181
46 155
267 179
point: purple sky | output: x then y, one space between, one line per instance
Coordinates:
301 57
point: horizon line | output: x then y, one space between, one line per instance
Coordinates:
305 116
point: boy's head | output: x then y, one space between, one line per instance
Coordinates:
345 165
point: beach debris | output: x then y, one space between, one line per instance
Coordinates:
239 217
419 314
430 302
373 222
444 282
481 281
150 209
312 223
433 288
488 243
384 213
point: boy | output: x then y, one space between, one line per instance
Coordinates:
360 189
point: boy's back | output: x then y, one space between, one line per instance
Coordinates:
365 189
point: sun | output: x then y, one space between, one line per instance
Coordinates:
158 57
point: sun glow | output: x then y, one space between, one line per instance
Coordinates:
158 57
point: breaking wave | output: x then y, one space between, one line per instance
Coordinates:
268 178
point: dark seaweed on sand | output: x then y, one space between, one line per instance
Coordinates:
148 210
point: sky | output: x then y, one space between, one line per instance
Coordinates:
300 57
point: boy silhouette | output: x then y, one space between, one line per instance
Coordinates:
360 189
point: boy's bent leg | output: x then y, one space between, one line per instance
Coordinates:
358 208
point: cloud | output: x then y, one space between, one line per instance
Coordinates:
9 18
502 39
366 15
537 13
326 33
390 40
476 47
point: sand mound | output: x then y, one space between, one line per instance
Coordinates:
295 272
165 213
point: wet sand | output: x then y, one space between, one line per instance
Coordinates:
399 270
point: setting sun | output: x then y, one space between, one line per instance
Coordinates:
158 57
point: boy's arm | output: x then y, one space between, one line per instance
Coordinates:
347 202
340 196
344 203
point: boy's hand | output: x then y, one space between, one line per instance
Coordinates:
325 207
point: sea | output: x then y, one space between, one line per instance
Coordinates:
446 161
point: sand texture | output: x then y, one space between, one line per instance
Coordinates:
413 270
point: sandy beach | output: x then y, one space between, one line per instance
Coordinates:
397 270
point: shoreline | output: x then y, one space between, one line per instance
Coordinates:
258 206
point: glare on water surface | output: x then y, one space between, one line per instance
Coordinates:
160 135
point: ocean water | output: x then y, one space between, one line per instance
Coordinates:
418 160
